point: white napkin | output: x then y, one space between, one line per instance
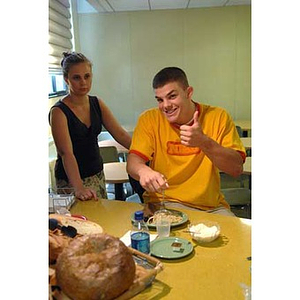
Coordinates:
127 241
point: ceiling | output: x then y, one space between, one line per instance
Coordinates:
110 6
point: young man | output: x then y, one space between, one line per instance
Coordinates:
186 144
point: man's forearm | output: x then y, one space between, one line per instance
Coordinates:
225 159
135 165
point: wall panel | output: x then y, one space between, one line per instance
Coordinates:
213 45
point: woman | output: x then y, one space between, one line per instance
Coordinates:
76 121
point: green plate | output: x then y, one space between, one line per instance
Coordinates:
171 247
180 213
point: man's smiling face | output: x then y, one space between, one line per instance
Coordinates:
175 102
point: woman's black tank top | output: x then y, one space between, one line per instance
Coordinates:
84 141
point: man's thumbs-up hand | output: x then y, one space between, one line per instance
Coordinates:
191 135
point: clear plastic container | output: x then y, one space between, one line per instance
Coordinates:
140 237
61 201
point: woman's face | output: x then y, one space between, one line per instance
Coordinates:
79 79
175 102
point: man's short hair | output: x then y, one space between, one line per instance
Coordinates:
170 74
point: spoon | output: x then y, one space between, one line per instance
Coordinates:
163 200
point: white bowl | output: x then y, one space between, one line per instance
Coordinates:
204 232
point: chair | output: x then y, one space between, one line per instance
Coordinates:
137 188
52 181
228 181
248 152
110 154
239 130
239 200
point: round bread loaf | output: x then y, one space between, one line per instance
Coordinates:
57 243
96 266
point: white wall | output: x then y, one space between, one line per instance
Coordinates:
212 45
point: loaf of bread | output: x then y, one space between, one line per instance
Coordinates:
82 226
57 243
95 266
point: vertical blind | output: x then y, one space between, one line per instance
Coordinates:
60 34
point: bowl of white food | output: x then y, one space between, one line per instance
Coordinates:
204 232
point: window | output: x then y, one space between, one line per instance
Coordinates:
57 85
60 40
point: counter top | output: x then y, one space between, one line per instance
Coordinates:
212 271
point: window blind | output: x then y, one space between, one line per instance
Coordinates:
60 34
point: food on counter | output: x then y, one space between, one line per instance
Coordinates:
205 232
174 218
96 266
176 247
62 228
82 226
69 231
57 242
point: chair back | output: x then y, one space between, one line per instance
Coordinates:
52 181
109 154
237 196
239 130
239 200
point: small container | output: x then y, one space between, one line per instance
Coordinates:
140 237
60 202
204 232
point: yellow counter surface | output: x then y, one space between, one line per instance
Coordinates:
213 271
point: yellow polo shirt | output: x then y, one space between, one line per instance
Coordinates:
193 179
